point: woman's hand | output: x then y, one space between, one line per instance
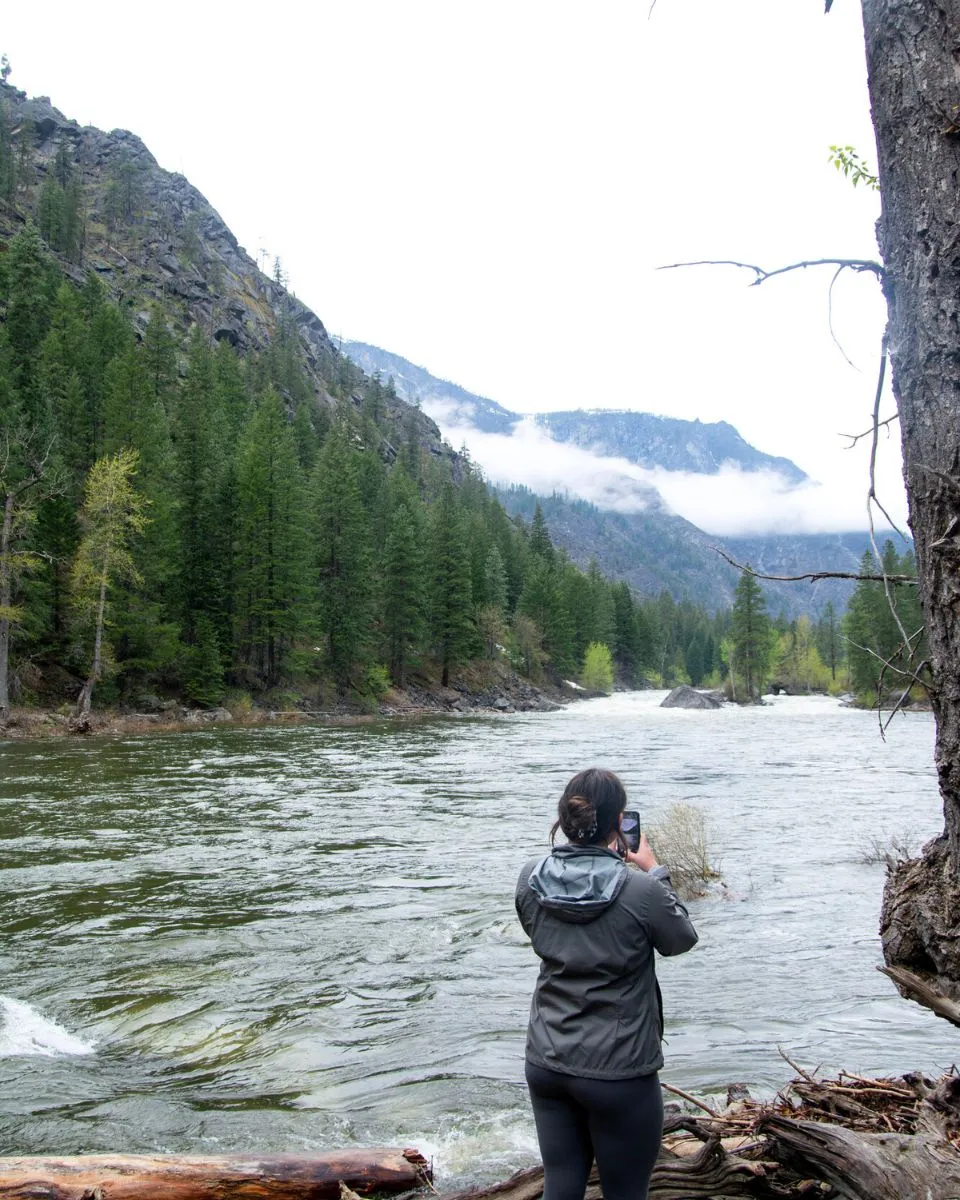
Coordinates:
643 857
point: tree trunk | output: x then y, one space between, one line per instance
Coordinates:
913 59
86 692
6 593
239 1177
868 1166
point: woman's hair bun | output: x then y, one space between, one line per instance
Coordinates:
578 818
590 807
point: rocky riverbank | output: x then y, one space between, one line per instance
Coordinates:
478 689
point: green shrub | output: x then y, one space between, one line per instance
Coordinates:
597 673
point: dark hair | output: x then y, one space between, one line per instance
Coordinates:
590 807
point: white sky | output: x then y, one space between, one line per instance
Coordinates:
487 188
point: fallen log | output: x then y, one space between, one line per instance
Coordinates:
851 1137
868 1166
227 1177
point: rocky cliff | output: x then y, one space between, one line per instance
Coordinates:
150 236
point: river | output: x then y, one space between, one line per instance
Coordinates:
298 938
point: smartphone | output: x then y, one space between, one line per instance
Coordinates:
630 830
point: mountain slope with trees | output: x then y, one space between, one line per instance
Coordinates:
654 548
202 497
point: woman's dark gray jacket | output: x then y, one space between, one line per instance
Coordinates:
595 923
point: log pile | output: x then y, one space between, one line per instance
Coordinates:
850 1137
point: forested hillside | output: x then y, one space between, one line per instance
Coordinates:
200 494
203 499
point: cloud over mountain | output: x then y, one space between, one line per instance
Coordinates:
629 462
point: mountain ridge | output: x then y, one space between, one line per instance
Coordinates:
647 439
650 547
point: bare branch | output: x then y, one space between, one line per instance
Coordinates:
856 437
844 264
812 576
796 1066
872 493
900 703
888 663
668 1087
833 334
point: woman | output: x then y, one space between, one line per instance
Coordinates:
593 1042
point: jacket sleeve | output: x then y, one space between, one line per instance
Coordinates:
668 922
520 897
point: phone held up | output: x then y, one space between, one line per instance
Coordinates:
630 830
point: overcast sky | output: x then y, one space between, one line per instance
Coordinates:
488 188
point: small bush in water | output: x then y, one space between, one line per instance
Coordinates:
679 839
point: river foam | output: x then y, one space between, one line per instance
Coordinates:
24 1030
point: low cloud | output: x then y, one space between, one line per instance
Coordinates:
732 502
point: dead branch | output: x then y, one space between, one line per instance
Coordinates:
790 1063
812 576
833 333
844 264
856 437
915 988
668 1087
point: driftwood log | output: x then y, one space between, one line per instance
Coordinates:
849 1138
870 1166
230 1177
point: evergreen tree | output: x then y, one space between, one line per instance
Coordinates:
344 575
451 600
543 602
872 630
200 447
540 544
495 580
271 573
828 639
203 681
404 591
751 634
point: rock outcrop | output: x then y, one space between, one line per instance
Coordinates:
688 697
151 236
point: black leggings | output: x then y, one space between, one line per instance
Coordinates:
618 1121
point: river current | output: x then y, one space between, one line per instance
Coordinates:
301 938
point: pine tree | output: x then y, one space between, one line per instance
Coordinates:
200 457
271 607
495 580
343 567
540 544
404 590
203 681
751 634
543 602
451 600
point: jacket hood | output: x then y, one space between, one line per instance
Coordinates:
578 883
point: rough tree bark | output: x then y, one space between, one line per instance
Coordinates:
913 62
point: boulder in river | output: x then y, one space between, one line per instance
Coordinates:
688 697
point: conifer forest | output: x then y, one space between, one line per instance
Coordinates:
184 516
